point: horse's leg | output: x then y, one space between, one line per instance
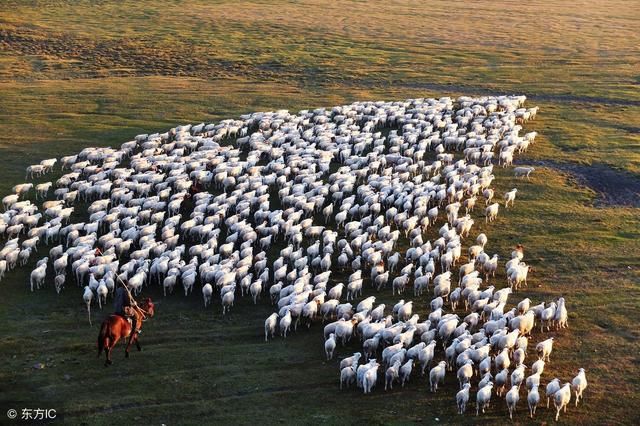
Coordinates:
108 351
131 338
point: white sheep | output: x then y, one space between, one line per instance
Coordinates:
544 348
533 399
551 389
523 171
87 296
436 375
392 374
562 398
270 325
349 361
102 292
462 398
348 376
579 384
405 372
330 346
207 293
512 399
483 397
370 378
510 197
285 323
491 212
227 301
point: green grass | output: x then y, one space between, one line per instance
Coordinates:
76 74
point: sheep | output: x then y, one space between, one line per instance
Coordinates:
59 281
544 348
227 301
347 376
512 399
579 384
207 292
465 372
561 316
37 276
533 399
425 356
87 296
392 374
330 346
562 398
501 381
462 398
510 197
523 171
270 325
405 372
370 378
285 323
551 389
102 292
255 289
491 212
483 397
436 375
537 367
349 361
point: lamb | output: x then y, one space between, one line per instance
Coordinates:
462 398
483 397
562 398
579 384
436 375
544 348
512 399
533 399
330 346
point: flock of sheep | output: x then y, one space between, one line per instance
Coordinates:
346 189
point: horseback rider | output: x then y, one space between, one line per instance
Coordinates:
125 306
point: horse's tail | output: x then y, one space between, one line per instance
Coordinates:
103 336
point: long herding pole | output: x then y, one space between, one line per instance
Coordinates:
135 304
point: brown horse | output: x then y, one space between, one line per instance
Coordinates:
116 327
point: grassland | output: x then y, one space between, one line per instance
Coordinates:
75 74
